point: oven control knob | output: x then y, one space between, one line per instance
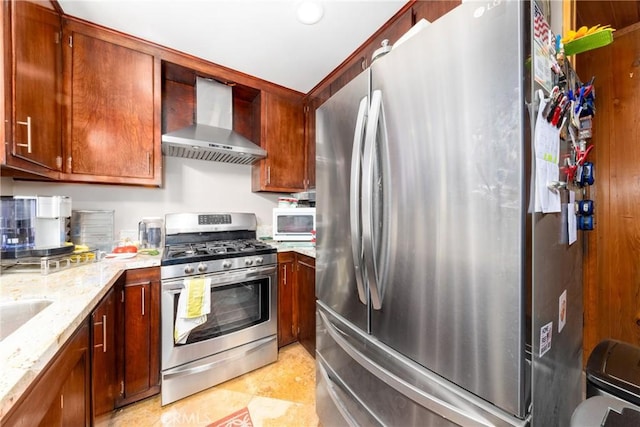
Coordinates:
202 268
259 260
248 261
188 269
226 264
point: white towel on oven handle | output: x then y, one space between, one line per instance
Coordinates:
184 325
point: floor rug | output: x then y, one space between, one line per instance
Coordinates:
239 418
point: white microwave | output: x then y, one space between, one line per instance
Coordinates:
294 224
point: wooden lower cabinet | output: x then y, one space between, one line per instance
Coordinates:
60 396
287 304
306 287
112 359
139 340
105 322
296 300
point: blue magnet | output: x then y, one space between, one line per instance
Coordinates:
585 222
585 207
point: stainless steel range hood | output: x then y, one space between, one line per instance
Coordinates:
212 137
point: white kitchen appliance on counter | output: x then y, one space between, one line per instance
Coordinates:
34 226
53 215
294 224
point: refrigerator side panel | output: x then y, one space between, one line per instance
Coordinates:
336 122
557 380
452 290
557 299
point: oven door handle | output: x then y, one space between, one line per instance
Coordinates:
254 346
223 278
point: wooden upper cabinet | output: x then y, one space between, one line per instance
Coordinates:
390 32
282 135
33 66
112 131
432 9
310 146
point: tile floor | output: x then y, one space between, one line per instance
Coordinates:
281 394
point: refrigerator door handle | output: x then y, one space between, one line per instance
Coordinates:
367 199
356 195
430 402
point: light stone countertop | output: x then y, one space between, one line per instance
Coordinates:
74 294
304 248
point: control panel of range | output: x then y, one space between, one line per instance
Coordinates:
217 266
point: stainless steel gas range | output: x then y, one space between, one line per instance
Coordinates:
239 333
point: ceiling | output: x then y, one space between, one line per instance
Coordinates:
263 38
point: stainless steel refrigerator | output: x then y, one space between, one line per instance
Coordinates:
439 288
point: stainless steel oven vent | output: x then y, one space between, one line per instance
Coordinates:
212 137
213 152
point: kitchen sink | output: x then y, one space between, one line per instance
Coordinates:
14 314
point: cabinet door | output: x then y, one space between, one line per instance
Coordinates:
104 387
113 124
37 74
282 135
69 406
140 367
432 9
287 328
60 395
306 290
75 408
311 105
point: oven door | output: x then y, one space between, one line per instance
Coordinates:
243 310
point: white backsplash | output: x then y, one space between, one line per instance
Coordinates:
189 186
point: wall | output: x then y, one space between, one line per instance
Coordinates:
189 186
612 267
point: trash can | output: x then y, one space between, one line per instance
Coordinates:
605 411
613 369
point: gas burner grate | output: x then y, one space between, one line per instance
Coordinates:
218 248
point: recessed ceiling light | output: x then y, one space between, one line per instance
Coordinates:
310 12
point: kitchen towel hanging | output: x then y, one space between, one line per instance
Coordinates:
194 303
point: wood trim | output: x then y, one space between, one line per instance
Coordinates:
56 6
224 73
569 20
355 56
626 30
3 80
611 271
171 55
